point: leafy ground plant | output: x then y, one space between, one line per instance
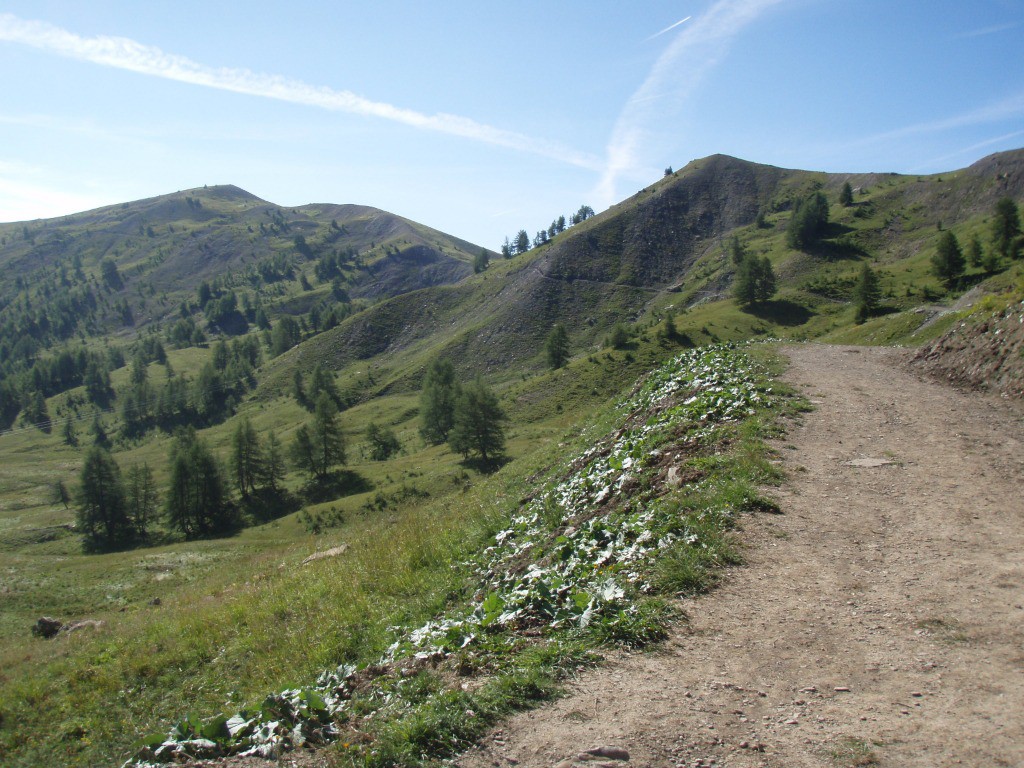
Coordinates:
588 560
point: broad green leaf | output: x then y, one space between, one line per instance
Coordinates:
216 729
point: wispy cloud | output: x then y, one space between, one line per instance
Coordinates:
680 69
971 152
669 28
124 53
984 31
1011 107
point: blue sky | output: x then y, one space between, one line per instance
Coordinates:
481 118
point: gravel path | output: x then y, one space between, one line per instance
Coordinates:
878 621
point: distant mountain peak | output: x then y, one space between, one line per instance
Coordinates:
225 192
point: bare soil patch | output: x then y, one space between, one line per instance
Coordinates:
983 353
878 621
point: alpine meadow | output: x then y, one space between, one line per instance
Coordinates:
325 476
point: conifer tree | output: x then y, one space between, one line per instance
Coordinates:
246 458
383 442
668 331
479 423
273 469
197 502
36 412
480 261
303 452
1006 229
619 337
557 346
99 434
522 242
755 281
69 434
320 446
141 497
866 294
736 250
101 513
97 383
299 389
808 222
975 252
322 382
948 261
846 195
437 401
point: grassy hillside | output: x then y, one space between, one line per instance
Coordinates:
666 249
164 247
104 315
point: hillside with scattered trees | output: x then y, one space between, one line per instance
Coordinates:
201 391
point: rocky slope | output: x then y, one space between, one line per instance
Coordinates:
985 352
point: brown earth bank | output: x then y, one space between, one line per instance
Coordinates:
878 621
985 353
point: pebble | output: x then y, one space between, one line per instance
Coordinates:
614 753
841 689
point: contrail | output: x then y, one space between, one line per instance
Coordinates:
127 54
679 70
669 28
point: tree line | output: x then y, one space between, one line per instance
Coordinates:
203 497
521 243
115 510
1005 244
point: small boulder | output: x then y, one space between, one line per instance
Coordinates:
45 627
612 753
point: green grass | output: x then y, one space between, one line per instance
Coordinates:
242 616
852 752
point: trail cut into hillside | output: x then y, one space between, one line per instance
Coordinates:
878 621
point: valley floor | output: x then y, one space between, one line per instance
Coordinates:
878 621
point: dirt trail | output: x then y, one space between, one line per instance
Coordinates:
879 621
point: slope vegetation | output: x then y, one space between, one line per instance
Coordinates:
876 621
210 312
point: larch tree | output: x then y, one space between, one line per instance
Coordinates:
866 294
273 470
755 281
1006 229
142 501
557 346
383 442
948 261
196 501
808 222
479 423
437 401
320 446
246 458
522 242
101 513
480 261
846 195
